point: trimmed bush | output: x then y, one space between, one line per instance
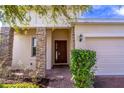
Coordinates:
82 62
19 85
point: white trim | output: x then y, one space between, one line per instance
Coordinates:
98 20
33 37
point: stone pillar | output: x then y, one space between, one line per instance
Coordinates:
73 37
41 52
7 35
10 47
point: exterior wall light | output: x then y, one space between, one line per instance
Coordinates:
80 37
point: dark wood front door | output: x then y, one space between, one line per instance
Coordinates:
60 51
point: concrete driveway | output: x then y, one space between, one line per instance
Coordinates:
111 81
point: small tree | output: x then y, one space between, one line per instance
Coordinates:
10 14
82 62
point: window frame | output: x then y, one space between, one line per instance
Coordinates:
33 40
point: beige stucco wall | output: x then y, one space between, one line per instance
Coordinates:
49 49
22 52
42 21
97 30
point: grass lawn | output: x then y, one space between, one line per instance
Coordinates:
19 85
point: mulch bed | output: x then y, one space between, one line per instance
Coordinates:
42 82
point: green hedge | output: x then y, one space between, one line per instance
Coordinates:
19 85
82 62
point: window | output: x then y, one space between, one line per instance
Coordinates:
33 46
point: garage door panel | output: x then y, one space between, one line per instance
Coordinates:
107 49
110 66
109 72
114 41
116 60
110 54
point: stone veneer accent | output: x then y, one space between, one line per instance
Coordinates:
73 37
6 45
10 47
41 52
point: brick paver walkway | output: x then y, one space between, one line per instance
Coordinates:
60 77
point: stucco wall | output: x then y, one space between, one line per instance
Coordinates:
40 21
49 50
22 52
97 30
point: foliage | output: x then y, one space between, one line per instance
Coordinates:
10 14
82 62
19 85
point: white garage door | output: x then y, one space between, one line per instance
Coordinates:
110 55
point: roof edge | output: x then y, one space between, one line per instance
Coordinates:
98 20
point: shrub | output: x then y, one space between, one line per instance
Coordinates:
82 62
19 85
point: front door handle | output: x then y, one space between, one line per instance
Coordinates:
59 53
56 55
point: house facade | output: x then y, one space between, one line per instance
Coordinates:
40 47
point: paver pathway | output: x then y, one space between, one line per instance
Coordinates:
60 77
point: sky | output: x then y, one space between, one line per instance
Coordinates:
104 11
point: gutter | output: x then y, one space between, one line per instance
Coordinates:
98 21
